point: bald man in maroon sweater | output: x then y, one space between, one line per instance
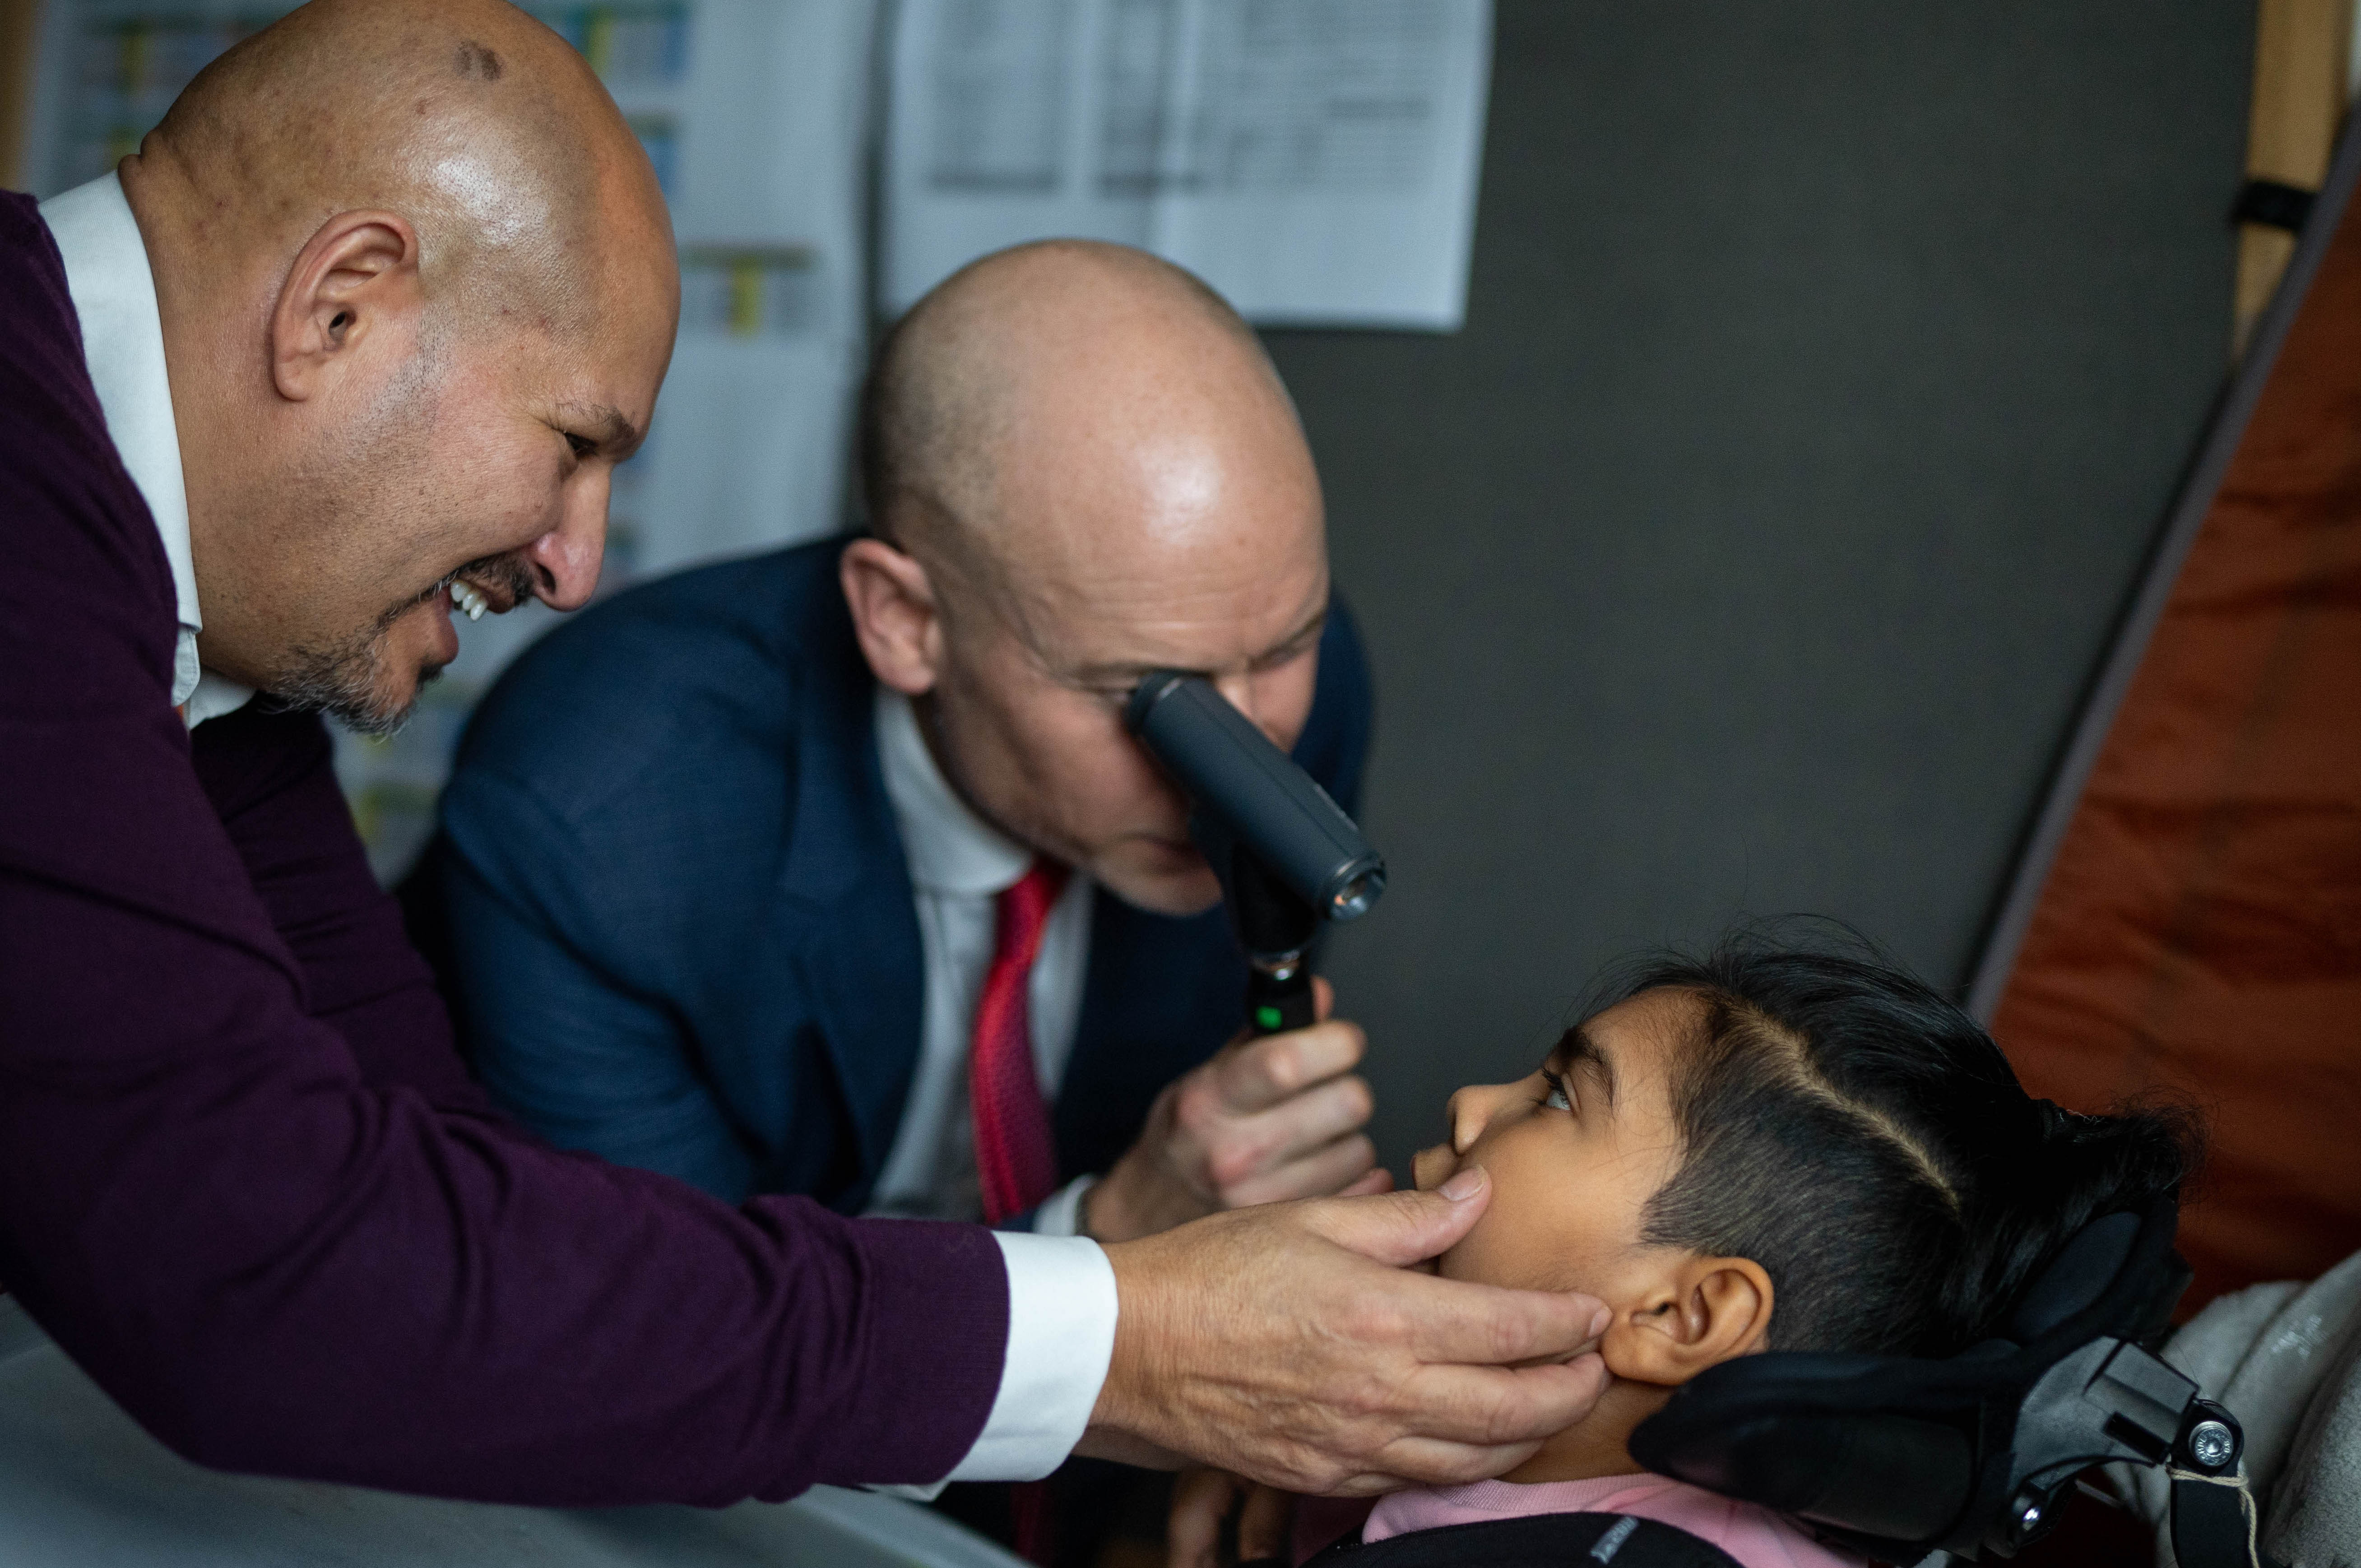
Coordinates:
364 325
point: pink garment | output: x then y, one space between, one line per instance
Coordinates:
1748 1531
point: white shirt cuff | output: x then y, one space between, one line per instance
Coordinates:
1060 1214
1062 1308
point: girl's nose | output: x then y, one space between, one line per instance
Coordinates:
1471 1109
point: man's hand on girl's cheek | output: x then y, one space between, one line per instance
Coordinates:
1290 1342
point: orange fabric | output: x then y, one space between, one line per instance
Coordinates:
2201 928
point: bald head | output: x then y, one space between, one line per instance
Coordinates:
1059 399
417 291
468 117
1081 467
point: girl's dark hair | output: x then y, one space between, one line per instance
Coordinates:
1867 1144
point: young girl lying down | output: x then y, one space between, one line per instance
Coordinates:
1771 1148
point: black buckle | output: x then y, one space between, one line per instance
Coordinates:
2214 1523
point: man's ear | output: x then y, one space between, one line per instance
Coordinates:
354 279
893 615
1705 1311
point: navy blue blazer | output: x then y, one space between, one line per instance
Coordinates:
681 923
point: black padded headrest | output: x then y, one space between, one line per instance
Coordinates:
1889 1475
1883 1445
2119 1276
2077 1278
1897 1454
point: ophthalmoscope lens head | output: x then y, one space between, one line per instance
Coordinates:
1248 796
1353 900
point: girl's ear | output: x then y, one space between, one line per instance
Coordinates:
1704 1312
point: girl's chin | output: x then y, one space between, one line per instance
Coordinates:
1430 1166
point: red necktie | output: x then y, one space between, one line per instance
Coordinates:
1013 1153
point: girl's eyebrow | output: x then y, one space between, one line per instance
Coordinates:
1578 1051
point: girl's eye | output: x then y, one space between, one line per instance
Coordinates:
1558 1098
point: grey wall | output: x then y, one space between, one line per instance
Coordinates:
1828 367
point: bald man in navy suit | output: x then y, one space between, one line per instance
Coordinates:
756 956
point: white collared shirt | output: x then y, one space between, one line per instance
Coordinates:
960 864
1061 1299
122 345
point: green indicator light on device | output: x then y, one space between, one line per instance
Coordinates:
1266 1017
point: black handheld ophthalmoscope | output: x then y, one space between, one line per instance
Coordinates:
1288 856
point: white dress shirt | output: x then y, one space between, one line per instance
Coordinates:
1061 1295
123 344
1062 1300
960 865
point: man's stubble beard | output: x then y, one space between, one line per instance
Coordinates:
347 680
351 680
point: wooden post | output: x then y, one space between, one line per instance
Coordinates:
20 30
2302 53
